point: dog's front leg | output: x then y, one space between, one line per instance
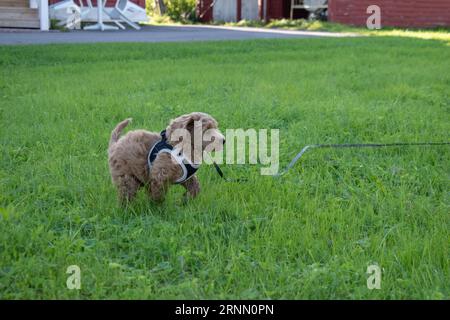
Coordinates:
192 187
158 187
160 177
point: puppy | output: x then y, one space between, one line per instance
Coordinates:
157 160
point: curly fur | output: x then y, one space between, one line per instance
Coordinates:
127 157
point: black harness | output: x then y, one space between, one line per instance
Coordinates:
188 168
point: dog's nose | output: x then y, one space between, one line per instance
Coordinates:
223 141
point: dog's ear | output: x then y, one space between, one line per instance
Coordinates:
183 122
194 120
210 123
188 122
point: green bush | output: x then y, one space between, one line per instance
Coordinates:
177 10
181 9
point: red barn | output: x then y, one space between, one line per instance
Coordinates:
396 13
235 10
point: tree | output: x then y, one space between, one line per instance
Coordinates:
161 7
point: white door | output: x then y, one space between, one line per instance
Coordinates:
249 10
225 10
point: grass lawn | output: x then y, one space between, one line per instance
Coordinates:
442 33
310 234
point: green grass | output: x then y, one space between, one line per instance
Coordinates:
442 34
438 33
310 234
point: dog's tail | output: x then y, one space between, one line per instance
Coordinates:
115 134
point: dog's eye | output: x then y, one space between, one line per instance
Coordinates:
179 154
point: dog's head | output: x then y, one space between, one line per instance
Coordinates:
195 130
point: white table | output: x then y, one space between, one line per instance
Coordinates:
100 25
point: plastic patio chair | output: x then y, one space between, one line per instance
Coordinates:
91 7
67 4
118 14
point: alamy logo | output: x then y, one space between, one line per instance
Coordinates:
74 280
374 20
254 146
374 279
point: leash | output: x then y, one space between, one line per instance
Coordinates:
336 146
220 172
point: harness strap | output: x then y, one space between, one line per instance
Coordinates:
187 167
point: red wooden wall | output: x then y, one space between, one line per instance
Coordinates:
204 9
281 9
276 9
109 3
396 13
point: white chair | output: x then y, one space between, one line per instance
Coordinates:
119 13
70 11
